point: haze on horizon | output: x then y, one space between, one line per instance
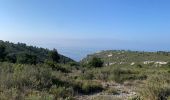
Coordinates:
79 27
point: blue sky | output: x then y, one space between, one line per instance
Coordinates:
79 27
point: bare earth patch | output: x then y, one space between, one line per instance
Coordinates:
123 92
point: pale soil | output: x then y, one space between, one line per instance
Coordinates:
125 91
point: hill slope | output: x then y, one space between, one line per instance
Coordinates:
41 53
111 57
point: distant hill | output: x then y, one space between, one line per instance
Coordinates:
113 57
41 53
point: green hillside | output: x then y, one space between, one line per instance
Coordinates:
13 50
128 57
32 73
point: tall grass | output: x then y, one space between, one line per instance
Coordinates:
157 87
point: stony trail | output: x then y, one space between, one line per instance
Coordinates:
124 92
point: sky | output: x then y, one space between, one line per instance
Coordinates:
79 27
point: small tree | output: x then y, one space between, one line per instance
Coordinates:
25 58
96 62
139 66
2 52
54 56
11 58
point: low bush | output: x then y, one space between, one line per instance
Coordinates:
157 87
60 68
139 66
87 75
73 64
112 91
36 95
61 92
122 74
87 87
96 62
56 66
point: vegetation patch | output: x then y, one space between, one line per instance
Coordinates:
157 87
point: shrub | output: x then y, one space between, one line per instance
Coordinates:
56 66
122 74
59 82
87 75
21 76
96 62
168 71
112 91
11 58
135 98
156 88
139 66
54 56
11 94
2 52
36 95
60 68
168 64
61 92
73 64
25 58
117 74
88 87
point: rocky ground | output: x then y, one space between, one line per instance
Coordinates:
123 92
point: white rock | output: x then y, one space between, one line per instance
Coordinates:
161 62
112 63
132 63
148 62
110 55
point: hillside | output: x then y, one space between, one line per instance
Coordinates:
118 57
18 49
105 75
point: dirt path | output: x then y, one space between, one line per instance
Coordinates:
124 92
